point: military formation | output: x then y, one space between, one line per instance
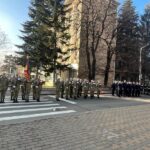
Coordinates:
126 89
76 88
18 84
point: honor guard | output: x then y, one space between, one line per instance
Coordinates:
75 88
71 88
85 87
62 88
67 89
27 90
38 89
34 88
113 87
23 80
15 87
3 87
80 88
58 89
98 88
92 89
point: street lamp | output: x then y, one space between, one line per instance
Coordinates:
140 62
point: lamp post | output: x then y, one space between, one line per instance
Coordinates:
140 62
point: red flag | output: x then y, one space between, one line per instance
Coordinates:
26 70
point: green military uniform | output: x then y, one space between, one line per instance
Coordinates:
67 89
98 88
38 89
71 88
75 88
23 88
80 88
34 89
13 80
58 89
3 88
85 86
27 90
17 89
62 88
92 89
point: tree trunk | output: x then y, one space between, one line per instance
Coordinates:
94 67
107 68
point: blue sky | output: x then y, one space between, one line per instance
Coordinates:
15 12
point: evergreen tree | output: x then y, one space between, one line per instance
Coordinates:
55 26
145 39
45 35
31 35
127 43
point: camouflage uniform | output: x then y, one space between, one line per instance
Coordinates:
38 89
3 87
23 88
13 83
67 89
75 88
80 88
98 88
92 89
85 86
34 89
58 89
15 87
62 88
71 88
27 90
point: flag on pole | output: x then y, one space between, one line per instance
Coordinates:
26 70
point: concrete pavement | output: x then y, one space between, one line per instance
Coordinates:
110 123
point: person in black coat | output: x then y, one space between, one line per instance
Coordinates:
113 87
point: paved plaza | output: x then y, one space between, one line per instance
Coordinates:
109 123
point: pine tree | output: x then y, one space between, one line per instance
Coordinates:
127 43
45 35
31 35
145 39
55 26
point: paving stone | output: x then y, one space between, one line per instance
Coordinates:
124 128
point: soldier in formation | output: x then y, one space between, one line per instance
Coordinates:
3 87
15 88
37 88
18 84
127 89
75 88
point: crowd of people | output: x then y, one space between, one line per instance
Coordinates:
18 84
129 89
75 88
